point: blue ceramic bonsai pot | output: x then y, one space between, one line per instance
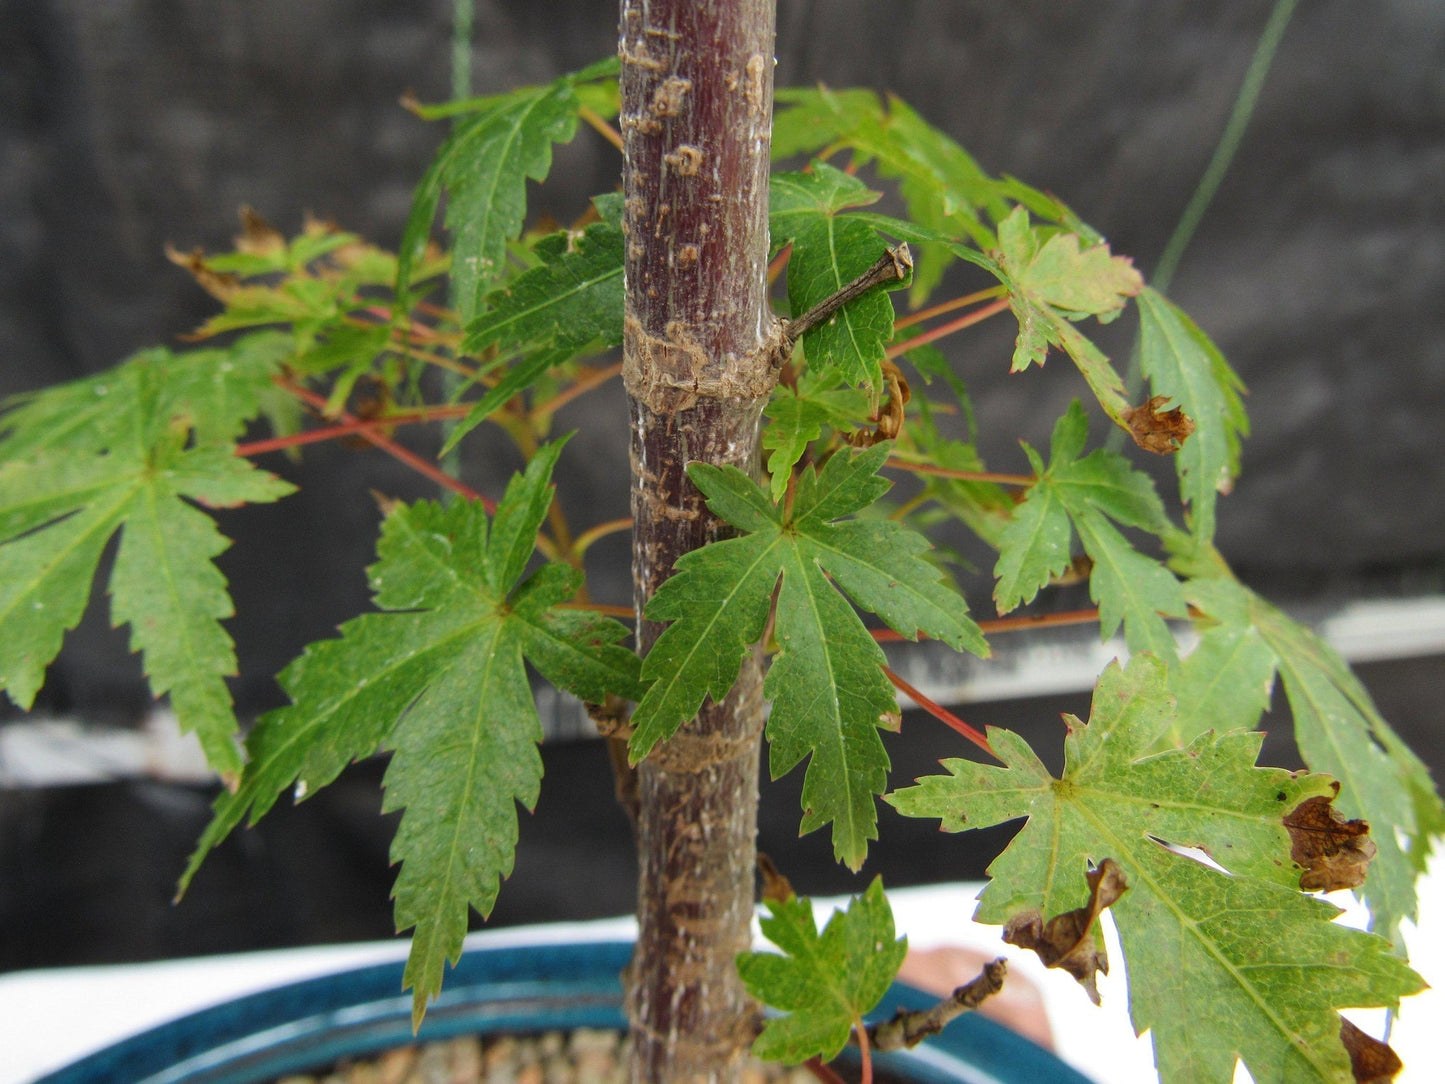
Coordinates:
311 1024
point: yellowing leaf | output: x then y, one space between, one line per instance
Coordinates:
1057 272
1053 281
1183 365
1223 965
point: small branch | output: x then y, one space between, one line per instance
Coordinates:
609 133
893 266
908 1029
401 344
439 312
582 385
411 328
865 1052
822 1071
1006 624
780 261
948 306
602 530
942 714
967 320
351 428
396 451
1040 621
961 475
622 613
295 440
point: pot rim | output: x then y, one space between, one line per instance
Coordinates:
521 988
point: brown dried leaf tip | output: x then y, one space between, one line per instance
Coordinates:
775 885
611 717
1067 940
221 286
258 237
1371 1061
889 414
1334 852
1155 430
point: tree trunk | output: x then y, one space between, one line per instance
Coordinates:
697 90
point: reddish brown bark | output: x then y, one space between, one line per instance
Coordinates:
696 121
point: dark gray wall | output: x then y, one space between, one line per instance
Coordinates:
1320 269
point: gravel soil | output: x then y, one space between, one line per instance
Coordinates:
584 1056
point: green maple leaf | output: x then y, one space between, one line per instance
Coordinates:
824 983
439 678
811 118
830 250
942 186
798 416
573 297
827 685
1055 278
985 507
1222 965
484 167
1185 366
1225 683
571 300
1130 588
129 450
214 390
1337 727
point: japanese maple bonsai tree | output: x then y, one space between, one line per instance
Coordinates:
763 449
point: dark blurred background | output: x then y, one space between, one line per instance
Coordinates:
1319 270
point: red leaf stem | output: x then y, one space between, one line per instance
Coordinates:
823 1071
962 475
391 448
1007 624
356 425
948 306
966 320
1036 621
780 261
580 386
942 714
596 121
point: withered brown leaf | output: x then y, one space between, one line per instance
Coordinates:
1156 430
258 237
1067 940
221 286
889 415
1371 1061
775 885
1334 852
